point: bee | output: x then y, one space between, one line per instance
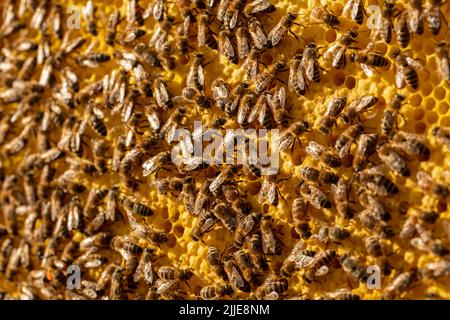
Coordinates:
393 160
134 13
124 243
351 266
251 64
205 36
281 28
427 184
270 244
354 9
155 163
105 277
256 253
269 191
288 136
92 59
442 56
74 219
319 152
346 139
225 46
162 94
334 234
257 35
319 265
358 106
410 145
165 56
203 198
442 135
338 50
406 70
264 79
118 153
415 16
297 82
368 59
315 196
334 109
233 10
299 216
261 112
258 7
128 164
341 192
383 28
94 198
226 215
195 77
322 14
116 291
137 207
273 286
399 284
182 44
5 253
224 177
365 147
340 294
309 62
434 15
213 259
401 28
245 227
89 16
221 91
373 246
171 273
99 148
375 181
436 269
204 224
277 104
111 30
244 263
242 42
88 92
375 206
234 276
389 120
216 292
297 259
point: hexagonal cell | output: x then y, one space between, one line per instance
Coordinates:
178 230
330 36
339 78
432 117
350 82
439 93
418 113
443 108
420 127
430 103
426 88
415 100
445 121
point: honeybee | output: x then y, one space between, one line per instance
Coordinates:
399 285
319 152
351 266
281 28
95 196
322 14
182 44
436 269
257 7
5 253
195 77
375 181
116 291
99 149
213 259
244 263
297 259
410 145
270 244
118 153
433 15
333 233
256 253
234 276
245 227
383 28
216 292
170 273
415 16
309 62
242 42
358 106
269 190
155 163
346 139
225 47
226 215
288 136
264 79
393 160
406 70
314 196
334 109
111 30
220 92
442 135
132 159
136 207
272 288
257 35
389 120
354 9
341 199
91 59
89 16
224 177
401 28
427 184
204 224
340 294
162 94
338 50
319 265
297 81
443 59
205 36
368 59
89 91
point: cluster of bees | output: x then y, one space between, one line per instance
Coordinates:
59 132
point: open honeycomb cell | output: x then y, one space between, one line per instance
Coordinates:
425 204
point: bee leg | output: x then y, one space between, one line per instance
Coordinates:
295 36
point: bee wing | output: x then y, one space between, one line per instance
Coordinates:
254 113
226 48
399 78
147 271
418 243
201 34
242 113
222 10
424 180
220 92
272 192
243 47
236 278
314 149
149 166
414 63
251 66
259 5
276 34
323 270
88 10
217 182
348 8
272 101
263 191
257 35
234 19
367 70
308 67
286 140
262 81
158 9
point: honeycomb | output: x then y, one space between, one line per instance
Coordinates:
423 110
